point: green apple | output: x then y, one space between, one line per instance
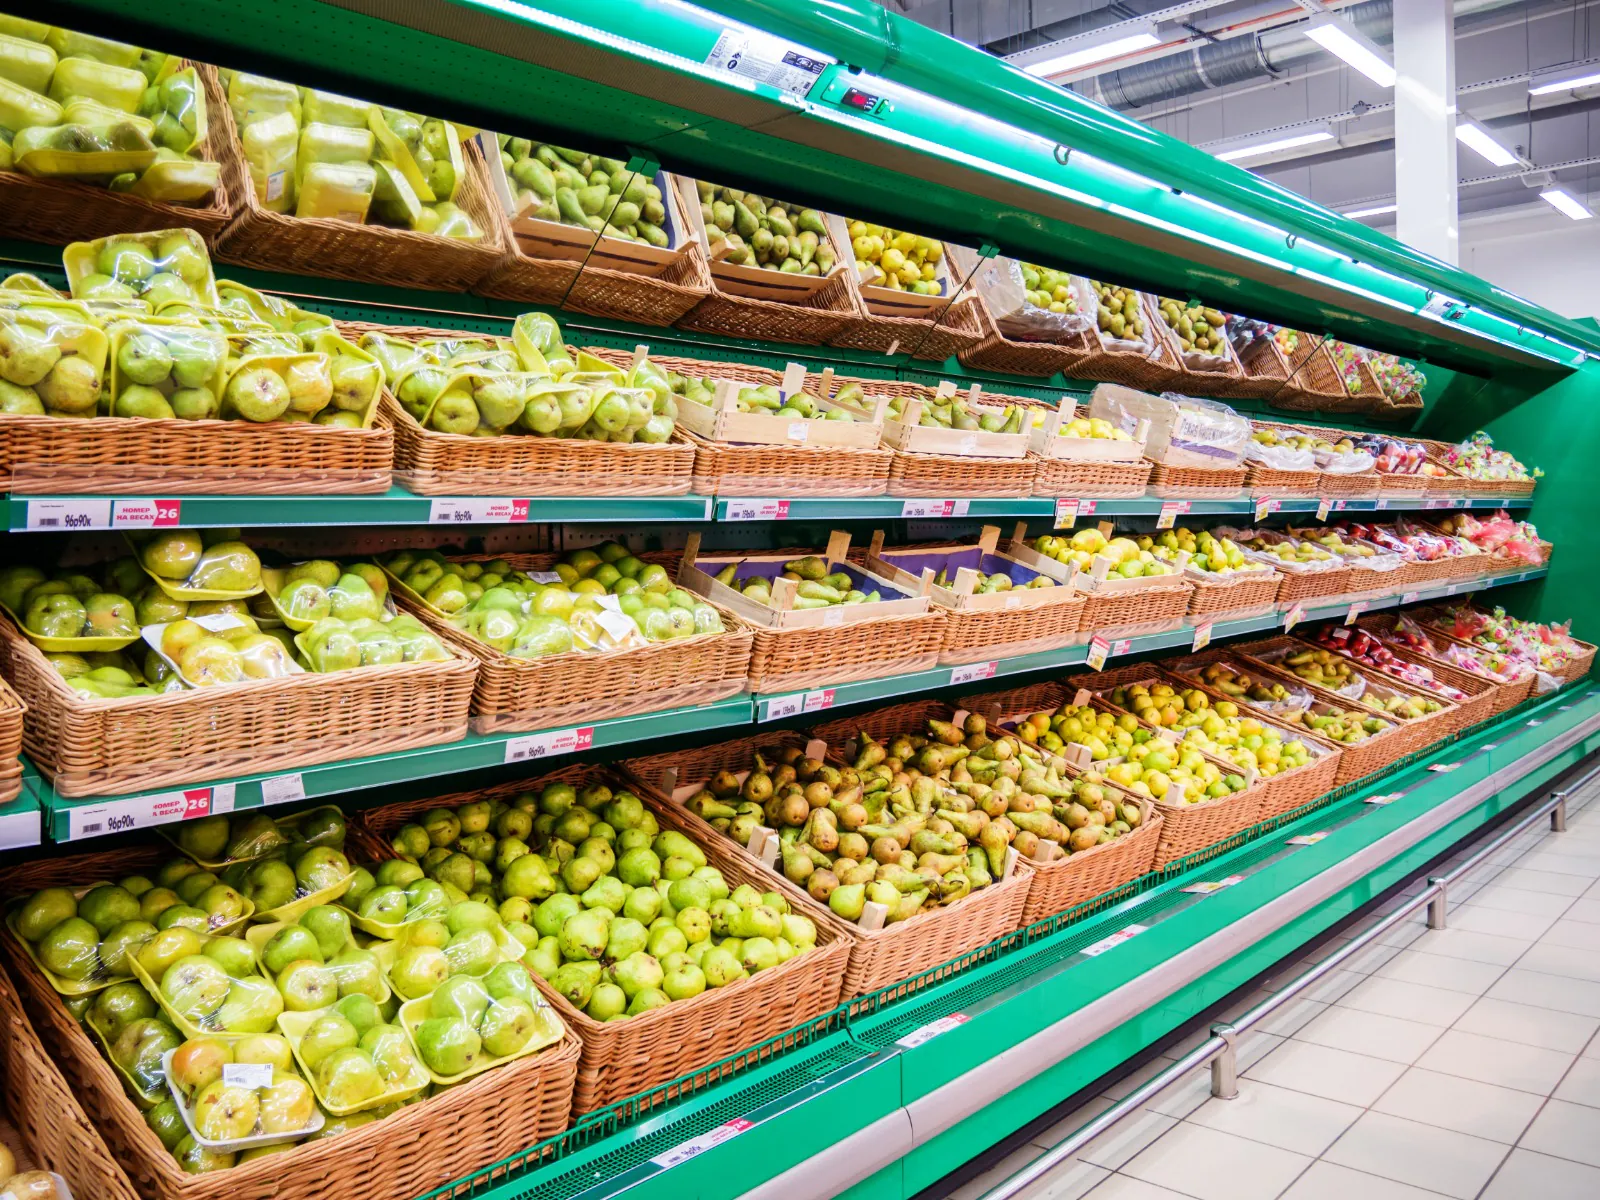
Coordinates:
331 927
290 944
195 987
448 1045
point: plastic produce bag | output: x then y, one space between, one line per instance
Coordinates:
270 148
1184 431
279 387
1279 658
326 108
469 1026
26 63
320 143
51 362
68 43
155 267
337 191
256 98
120 88
1280 458
1260 545
1004 285
166 369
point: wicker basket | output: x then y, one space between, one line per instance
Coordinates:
1263 480
94 747
729 470
1362 483
879 958
827 313
140 456
788 660
1116 610
996 352
1239 594
1153 372
958 327
1068 477
55 1131
12 714
1264 369
1296 587
1201 482
976 635
1391 484
421 1147
1508 694
1203 373
1280 793
452 464
961 475
273 241
514 694
601 291
58 211
1483 695
1313 383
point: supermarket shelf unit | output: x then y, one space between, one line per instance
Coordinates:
68 819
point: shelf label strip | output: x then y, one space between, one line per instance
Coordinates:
91 513
549 743
142 812
684 1151
932 1030
477 510
1116 939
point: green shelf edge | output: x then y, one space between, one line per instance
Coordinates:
999 999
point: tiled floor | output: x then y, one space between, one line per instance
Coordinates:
1462 1062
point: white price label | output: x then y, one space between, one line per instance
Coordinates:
221 622
785 706
757 510
1487 746
932 1030
282 789
1066 513
1446 768
69 514
1381 503
818 700
834 616
1410 597
545 745
684 1151
1437 502
1323 508
1293 617
1207 887
1099 648
785 65
247 1075
1168 515
799 431
477 510
275 184
1116 939
1440 305
20 829
545 576
967 445
1383 798
619 625
1202 635
1355 611
142 812
935 508
1265 505
1308 839
971 671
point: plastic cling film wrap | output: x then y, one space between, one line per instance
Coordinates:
162 369
295 386
1282 552
156 267
380 1068
1280 458
52 360
1292 659
1003 284
244 1105
1184 431
468 1027
227 840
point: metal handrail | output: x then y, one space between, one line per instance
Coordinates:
1220 1050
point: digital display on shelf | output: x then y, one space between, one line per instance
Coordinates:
857 99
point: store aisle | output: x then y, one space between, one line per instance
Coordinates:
1462 1062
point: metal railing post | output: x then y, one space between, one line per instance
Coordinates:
1437 909
1225 1066
1558 815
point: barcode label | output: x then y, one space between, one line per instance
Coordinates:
480 510
248 1075
282 789
545 745
142 812
932 1030
935 508
971 671
784 706
1116 939
1207 887
757 510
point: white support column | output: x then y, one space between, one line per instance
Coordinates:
1425 126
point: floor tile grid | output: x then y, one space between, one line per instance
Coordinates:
1186 1145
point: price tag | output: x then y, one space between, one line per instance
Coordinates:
145 514
1086 508
545 576
1440 305
142 812
619 625
1209 886
1293 617
248 1075
1410 597
549 743
1323 508
684 1151
1381 503
1098 649
1487 746
1169 513
818 700
799 431
1540 721
834 616
1443 768
1383 798
220 622
477 510
971 671
1066 513
757 510
1202 635
281 789
784 706
935 508
69 514
1116 939
1308 839
20 829
932 1030
1437 502
1265 505
1355 611
967 445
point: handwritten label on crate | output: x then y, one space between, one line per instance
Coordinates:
932 1030
970 671
477 510
1354 612
1324 507
1308 839
281 789
551 742
1208 886
1066 512
757 510
1293 617
142 812
684 1151
1168 515
90 513
1265 505
1202 635
935 508
1116 939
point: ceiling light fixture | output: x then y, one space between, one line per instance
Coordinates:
1376 211
1343 39
1566 204
1272 143
1568 77
1475 138
1071 54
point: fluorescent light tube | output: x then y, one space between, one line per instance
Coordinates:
1272 145
1376 211
1475 138
1358 50
1566 204
1566 78
1092 52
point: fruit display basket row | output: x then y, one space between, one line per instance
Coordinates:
12 714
